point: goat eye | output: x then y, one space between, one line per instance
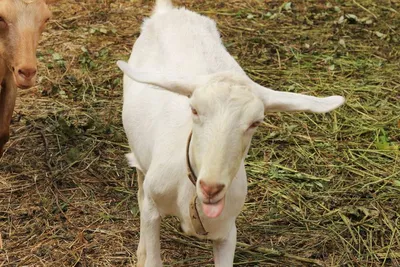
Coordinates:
3 23
194 111
255 124
45 22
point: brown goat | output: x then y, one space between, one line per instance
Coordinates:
21 24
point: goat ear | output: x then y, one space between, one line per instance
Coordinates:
275 101
168 82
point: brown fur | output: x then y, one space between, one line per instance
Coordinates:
21 24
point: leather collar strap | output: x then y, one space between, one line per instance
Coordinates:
194 214
192 176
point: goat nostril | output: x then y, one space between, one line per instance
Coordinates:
27 73
211 190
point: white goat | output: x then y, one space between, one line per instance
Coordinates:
181 80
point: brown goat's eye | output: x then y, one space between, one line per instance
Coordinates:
45 23
194 111
3 23
255 124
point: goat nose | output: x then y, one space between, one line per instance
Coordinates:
27 73
211 190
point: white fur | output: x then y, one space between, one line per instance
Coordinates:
179 53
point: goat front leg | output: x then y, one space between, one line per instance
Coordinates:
150 220
8 96
224 250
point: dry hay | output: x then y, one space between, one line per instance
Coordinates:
323 189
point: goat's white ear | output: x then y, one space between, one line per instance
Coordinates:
177 85
275 101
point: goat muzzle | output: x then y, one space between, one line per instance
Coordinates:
25 76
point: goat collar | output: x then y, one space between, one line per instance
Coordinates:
192 176
194 213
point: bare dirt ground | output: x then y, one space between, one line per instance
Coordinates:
324 190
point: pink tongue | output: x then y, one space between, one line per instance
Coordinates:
213 210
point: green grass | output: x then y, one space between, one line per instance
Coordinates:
323 189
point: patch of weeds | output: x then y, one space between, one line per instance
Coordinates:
86 61
102 31
383 142
110 85
59 61
73 155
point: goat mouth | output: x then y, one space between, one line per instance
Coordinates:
24 84
213 210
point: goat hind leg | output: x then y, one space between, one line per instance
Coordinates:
141 250
150 221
